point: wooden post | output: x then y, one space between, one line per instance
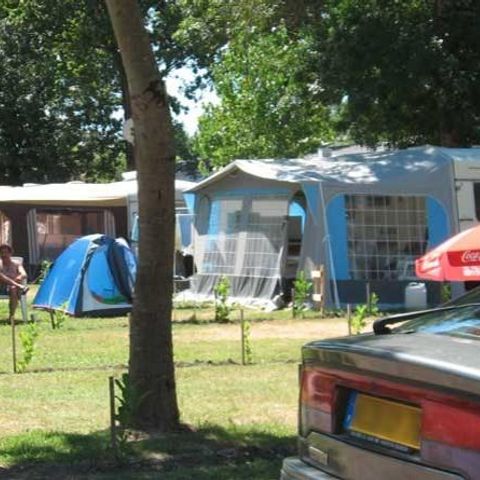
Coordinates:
318 297
242 329
113 429
349 318
14 346
52 319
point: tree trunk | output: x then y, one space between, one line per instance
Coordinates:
151 365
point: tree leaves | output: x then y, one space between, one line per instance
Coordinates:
62 88
267 104
407 70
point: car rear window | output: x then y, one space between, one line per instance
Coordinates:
461 321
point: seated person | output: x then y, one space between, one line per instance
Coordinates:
12 276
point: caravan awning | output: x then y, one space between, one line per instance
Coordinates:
386 167
69 194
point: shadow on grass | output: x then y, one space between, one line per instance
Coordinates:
206 454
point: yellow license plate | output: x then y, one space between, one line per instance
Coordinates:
378 418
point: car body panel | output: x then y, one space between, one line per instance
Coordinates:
350 462
436 372
439 360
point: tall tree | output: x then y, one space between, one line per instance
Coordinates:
267 108
63 88
406 72
398 72
57 99
151 365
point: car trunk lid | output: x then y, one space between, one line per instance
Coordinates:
380 395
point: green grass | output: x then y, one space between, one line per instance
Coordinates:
55 416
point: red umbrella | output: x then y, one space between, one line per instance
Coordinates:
457 259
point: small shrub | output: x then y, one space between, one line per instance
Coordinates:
247 356
445 292
44 268
28 337
373 309
129 402
302 289
126 401
58 318
359 318
222 309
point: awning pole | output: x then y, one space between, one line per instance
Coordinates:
326 238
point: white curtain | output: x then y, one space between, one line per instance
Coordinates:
32 230
109 223
242 238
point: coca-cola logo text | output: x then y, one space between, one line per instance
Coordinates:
471 257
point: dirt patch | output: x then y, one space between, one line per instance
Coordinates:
302 329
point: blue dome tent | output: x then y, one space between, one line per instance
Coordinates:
94 276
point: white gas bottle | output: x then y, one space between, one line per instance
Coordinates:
416 296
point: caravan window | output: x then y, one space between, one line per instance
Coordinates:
56 230
243 236
385 235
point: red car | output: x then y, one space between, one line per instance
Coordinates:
401 403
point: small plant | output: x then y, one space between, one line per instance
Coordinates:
57 319
359 318
222 309
247 350
28 336
44 268
373 309
125 399
302 289
128 401
445 292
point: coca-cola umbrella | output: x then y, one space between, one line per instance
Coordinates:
456 259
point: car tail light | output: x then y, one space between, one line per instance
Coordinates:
317 401
450 425
451 436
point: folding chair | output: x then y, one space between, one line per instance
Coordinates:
23 298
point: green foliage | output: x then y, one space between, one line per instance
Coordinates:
28 337
222 309
359 316
58 317
266 105
128 402
302 290
58 91
44 268
247 348
186 162
404 72
125 412
362 311
63 86
373 309
445 292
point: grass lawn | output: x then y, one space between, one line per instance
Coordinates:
55 416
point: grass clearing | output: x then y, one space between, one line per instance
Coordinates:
55 416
